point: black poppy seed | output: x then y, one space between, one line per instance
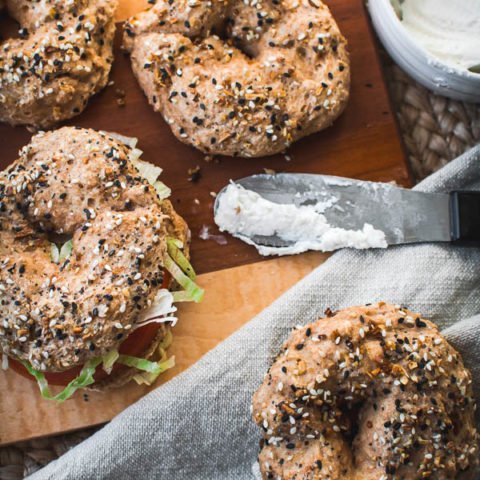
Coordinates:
420 323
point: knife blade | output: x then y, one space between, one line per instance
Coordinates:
405 216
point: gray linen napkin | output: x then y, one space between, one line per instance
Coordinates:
198 426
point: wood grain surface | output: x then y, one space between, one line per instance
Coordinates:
363 143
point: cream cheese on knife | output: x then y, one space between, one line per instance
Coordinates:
244 214
448 29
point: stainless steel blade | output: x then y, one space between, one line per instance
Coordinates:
405 216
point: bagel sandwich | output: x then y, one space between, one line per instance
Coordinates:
92 259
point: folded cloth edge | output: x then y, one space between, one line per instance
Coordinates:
462 173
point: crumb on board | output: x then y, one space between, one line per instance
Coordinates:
194 174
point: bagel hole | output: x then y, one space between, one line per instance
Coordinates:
224 32
352 413
353 418
250 53
63 251
58 239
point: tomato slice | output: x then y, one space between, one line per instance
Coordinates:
135 344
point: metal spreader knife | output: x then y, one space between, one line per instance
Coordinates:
405 216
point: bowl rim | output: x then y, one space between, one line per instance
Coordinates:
422 65
462 71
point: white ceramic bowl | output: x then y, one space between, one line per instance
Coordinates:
417 62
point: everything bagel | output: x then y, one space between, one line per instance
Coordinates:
238 77
62 58
372 393
79 183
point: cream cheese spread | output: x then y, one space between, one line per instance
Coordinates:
448 29
244 214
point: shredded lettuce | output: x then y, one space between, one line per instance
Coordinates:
142 364
178 265
164 344
162 190
54 253
65 251
182 271
109 359
159 310
139 363
182 296
59 255
130 141
135 154
148 171
149 377
195 292
145 378
151 173
83 380
173 248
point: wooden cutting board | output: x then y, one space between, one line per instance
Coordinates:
363 143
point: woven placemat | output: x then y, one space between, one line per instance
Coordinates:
434 129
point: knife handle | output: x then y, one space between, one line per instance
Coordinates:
465 217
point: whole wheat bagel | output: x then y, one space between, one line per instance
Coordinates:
62 58
371 393
80 183
238 77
